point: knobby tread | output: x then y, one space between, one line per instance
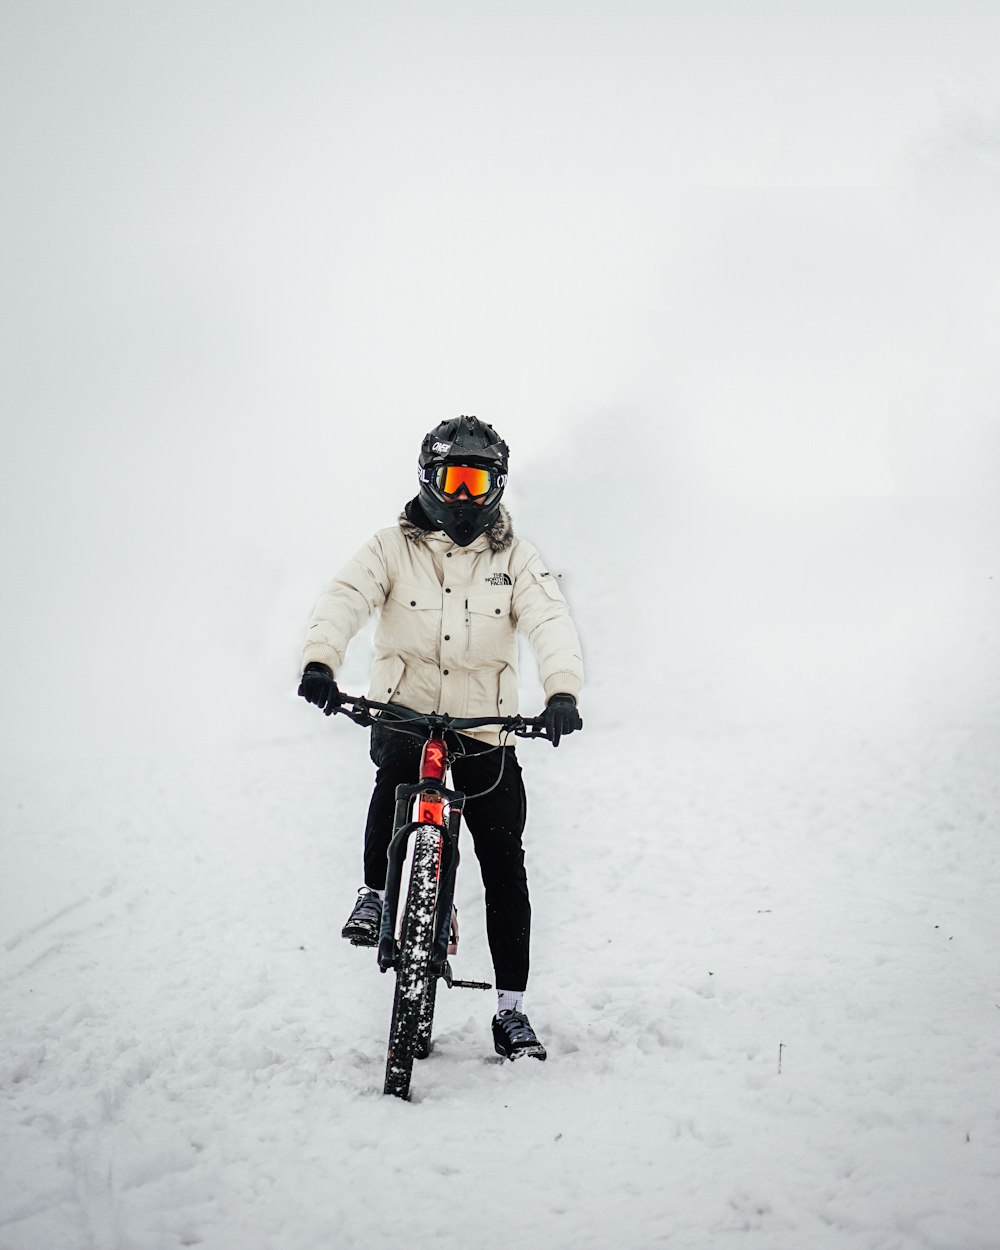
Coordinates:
425 1020
413 1002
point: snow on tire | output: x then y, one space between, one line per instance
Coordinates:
413 979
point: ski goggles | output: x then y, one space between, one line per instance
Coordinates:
451 479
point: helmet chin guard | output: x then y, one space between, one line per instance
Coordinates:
463 441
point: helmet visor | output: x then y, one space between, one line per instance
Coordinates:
456 480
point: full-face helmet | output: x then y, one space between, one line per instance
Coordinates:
462 474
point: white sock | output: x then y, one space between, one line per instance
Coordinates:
510 1000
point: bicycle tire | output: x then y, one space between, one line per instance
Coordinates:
425 1019
414 984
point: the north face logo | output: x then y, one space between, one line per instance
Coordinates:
499 579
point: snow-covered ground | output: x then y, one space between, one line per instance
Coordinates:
725 276
770 1000
765 968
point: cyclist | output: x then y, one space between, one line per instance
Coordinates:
452 586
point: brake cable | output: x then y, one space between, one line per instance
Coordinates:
397 727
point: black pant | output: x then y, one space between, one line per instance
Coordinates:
496 822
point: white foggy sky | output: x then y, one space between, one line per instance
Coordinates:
251 252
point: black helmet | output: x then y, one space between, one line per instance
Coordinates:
462 473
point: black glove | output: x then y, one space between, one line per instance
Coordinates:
317 686
561 717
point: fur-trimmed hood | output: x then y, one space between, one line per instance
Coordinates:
499 534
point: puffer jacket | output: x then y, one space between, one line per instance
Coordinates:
446 639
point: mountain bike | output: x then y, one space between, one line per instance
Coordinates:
416 939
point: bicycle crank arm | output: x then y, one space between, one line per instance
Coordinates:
451 983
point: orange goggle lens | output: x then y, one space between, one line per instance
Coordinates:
452 478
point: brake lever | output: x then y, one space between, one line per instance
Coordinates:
358 713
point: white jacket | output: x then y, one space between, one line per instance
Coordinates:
446 640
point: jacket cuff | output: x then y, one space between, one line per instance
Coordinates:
562 683
320 653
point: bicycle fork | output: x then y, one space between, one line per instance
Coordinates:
432 797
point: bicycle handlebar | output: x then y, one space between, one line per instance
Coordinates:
360 711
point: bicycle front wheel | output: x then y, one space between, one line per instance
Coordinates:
411 1023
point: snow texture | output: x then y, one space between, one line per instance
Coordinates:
768 989
765 971
725 277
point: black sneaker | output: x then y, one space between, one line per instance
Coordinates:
513 1036
363 924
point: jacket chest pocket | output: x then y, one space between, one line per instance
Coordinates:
412 617
488 624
